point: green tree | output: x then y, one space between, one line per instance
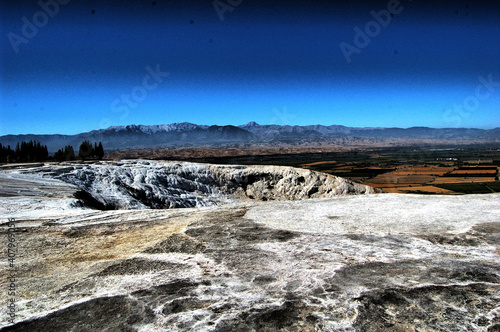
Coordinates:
99 151
59 155
69 153
86 150
65 154
7 155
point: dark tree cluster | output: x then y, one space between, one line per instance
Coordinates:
7 155
33 151
24 152
65 154
87 151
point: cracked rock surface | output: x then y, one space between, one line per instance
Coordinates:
384 262
141 184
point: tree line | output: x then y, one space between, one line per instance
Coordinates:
34 151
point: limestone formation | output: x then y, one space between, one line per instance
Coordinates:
159 185
383 262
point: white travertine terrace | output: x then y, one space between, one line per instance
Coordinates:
342 263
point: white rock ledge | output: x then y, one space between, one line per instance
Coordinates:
385 262
155 184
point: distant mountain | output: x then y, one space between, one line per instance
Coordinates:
192 135
137 137
273 131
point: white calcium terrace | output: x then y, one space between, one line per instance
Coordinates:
352 262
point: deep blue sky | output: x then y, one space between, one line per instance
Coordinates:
267 61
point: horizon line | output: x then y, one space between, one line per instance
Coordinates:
250 122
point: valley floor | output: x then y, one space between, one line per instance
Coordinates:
402 167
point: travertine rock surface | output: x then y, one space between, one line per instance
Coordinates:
382 262
155 184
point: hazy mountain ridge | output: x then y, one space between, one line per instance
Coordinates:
192 135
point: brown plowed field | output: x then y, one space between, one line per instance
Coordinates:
402 169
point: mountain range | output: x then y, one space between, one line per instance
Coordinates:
185 134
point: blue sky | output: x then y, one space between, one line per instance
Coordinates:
267 61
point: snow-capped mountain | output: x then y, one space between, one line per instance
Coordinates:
186 134
153 129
